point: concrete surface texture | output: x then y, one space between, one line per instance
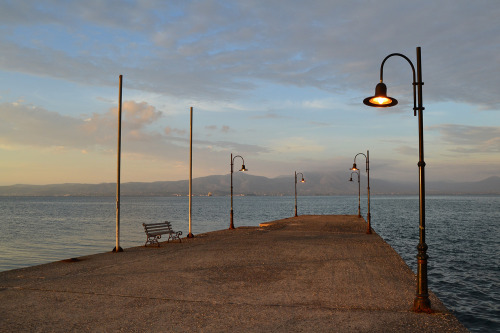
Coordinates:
302 274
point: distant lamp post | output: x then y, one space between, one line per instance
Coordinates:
354 168
302 181
421 302
231 225
359 192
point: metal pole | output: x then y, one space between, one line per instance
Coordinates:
359 195
368 217
190 235
422 302
296 194
117 246
231 225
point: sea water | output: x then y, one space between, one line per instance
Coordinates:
461 231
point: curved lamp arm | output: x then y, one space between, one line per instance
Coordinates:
299 173
242 166
414 80
354 164
356 172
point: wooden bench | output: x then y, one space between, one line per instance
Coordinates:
154 231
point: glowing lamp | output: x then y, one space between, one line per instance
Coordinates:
380 100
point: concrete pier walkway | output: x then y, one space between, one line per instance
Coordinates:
302 274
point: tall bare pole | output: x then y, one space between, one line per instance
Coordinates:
368 216
118 162
190 235
231 214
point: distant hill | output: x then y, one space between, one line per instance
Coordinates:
334 183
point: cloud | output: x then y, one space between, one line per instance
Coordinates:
213 128
218 145
406 150
297 145
318 123
138 115
241 61
269 115
27 125
169 131
221 50
318 104
469 139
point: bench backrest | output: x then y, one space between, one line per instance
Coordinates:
157 227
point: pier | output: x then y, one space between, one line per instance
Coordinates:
314 273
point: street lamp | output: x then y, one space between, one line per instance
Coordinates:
421 302
359 192
231 225
302 181
354 168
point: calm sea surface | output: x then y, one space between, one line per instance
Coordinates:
462 233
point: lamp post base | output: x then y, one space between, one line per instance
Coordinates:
422 304
231 225
190 235
119 249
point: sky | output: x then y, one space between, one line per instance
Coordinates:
279 83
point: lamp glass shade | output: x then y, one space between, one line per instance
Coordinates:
243 168
354 168
303 180
380 99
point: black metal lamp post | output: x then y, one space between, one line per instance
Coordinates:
231 225
354 168
302 181
359 192
422 302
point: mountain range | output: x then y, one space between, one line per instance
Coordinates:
333 183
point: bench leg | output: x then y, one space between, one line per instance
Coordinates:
152 240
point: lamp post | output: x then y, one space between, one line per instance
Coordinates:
302 181
359 192
421 302
354 168
231 225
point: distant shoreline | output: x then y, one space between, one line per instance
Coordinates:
247 195
318 184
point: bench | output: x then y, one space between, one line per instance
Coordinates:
154 231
